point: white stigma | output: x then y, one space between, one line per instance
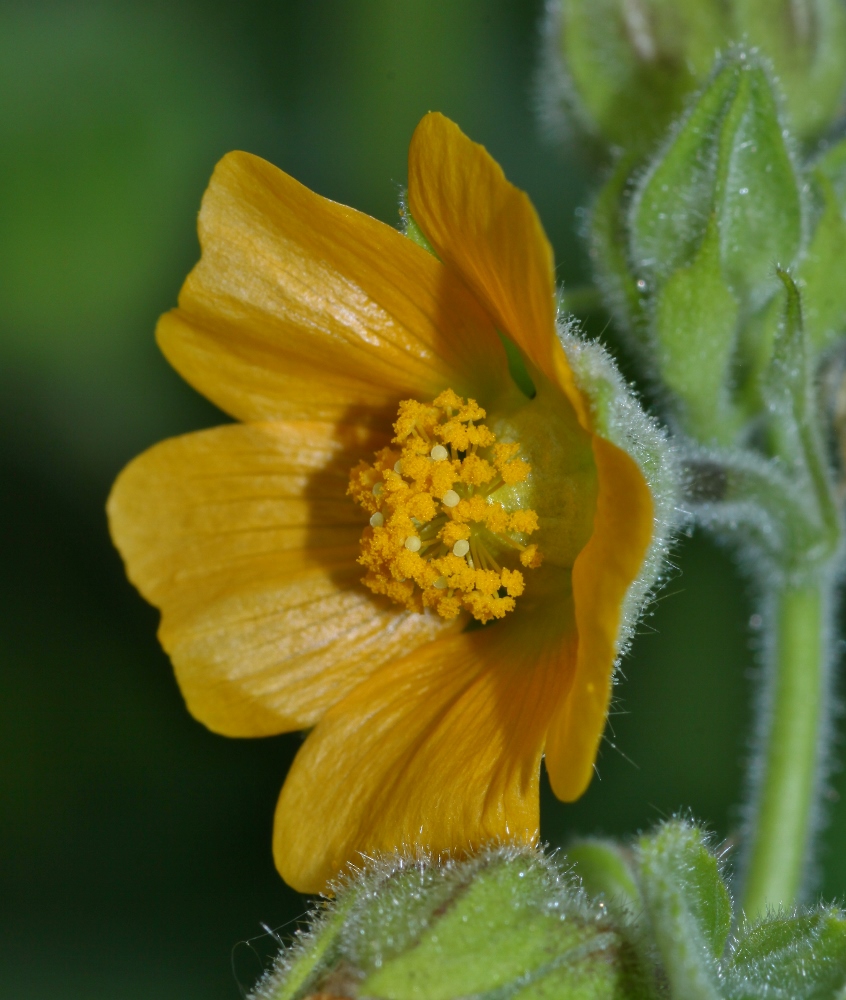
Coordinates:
439 453
413 543
451 498
398 467
440 583
377 489
376 520
461 547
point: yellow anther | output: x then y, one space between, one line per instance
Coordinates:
449 400
452 532
523 521
438 535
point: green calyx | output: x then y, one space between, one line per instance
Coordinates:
507 923
603 922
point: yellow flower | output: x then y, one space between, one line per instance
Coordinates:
384 438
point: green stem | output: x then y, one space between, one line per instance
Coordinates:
783 823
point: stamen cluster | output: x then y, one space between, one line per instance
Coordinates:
437 536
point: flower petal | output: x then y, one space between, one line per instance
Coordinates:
303 308
487 230
244 538
603 572
441 749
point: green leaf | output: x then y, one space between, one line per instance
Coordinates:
631 66
695 332
805 39
688 907
789 958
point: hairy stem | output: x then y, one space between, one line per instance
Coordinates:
796 721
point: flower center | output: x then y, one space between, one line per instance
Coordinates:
438 536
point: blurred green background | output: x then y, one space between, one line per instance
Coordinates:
135 846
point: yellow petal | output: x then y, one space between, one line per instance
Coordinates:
441 749
486 229
303 308
245 540
603 572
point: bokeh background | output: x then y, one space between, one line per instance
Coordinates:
134 845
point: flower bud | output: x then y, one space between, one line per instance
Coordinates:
628 65
706 224
625 68
506 920
805 41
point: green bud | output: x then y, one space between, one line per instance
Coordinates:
728 163
695 330
789 958
806 42
630 64
688 907
706 224
504 924
625 68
